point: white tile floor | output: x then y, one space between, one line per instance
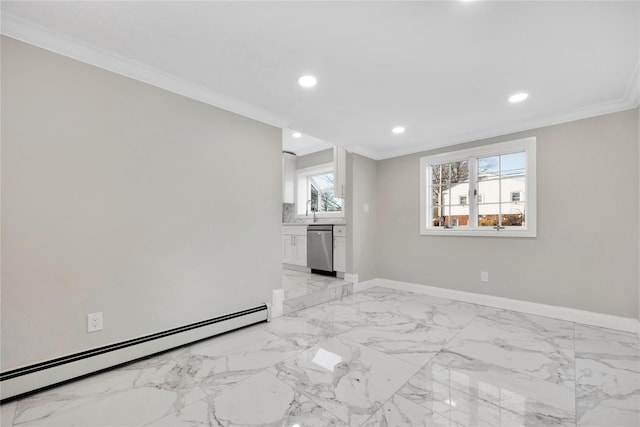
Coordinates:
376 358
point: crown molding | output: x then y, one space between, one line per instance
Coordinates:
623 104
41 37
630 100
363 150
30 33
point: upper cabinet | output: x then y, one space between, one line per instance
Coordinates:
288 178
340 171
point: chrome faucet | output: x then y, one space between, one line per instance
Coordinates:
312 210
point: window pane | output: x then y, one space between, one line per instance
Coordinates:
460 214
440 194
513 165
488 215
490 191
323 181
488 167
439 174
314 199
459 172
513 215
329 203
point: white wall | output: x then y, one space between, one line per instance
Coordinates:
584 258
123 198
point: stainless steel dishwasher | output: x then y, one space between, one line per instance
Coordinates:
320 249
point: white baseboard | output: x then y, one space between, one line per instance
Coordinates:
367 284
563 313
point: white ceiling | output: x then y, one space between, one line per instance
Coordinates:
443 70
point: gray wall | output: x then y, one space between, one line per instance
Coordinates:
363 224
586 253
123 198
314 159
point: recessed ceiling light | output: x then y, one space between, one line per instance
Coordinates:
307 81
397 130
518 97
296 134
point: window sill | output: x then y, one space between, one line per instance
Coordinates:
478 233
320 216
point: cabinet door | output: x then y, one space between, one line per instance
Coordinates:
340 171
340 254
300 250
288 249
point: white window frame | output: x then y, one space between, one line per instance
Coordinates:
302 191
527 145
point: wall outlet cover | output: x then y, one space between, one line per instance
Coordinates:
94 322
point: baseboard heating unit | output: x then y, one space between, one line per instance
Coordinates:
43 374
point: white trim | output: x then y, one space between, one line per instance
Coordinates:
563 313
528 145
367 284
28 32
70 47
627 103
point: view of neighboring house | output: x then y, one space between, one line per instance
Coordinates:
495 197
499 198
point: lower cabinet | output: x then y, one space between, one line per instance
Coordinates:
340 248
339 254
294 246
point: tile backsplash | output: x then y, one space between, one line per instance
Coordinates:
289 217
288 212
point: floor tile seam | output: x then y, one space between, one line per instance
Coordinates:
460 331
381 352
524 374
485 401
544 338
305 394
394 393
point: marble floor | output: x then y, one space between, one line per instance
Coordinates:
303 290
374 358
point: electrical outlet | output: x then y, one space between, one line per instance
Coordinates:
94 322
484 276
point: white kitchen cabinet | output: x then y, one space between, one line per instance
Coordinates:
339 248
340 171
300 256
294 245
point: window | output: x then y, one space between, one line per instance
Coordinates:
488 190
316 192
